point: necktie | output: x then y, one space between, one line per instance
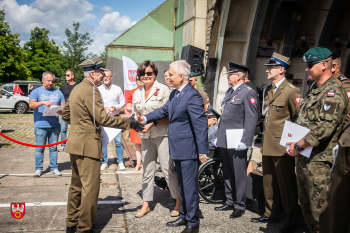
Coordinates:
175 97
273 89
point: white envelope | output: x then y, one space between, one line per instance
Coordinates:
52 111
108 134
293 133
233 138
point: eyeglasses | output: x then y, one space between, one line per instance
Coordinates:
272 67
148 74
311 64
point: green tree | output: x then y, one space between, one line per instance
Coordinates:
43 54
12 57
75 49
104 55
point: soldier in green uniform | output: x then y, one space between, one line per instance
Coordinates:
323 112
281 103
335 214
340 78
85 113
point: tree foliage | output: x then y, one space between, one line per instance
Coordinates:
12 58
76 47
43 54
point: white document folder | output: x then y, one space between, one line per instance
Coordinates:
293 133
52 111
108 134
233 138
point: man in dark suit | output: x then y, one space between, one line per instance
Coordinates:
239 111
188 140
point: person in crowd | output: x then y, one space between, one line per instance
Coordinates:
113 100
66 89
250 165
323 112
85 113
154 137
335 213
193 81
213 118
340 78
17 90
281 103
134 137
31 87
239 111
188 140
46 128
167 80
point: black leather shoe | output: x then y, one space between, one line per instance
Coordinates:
71 229
190 229
178 222
288 228
225 207
264 219
237 213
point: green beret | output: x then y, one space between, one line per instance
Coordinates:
193 74
316 54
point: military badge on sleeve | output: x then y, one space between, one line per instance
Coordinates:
297 99
327 106
18 210
348 93
252 100
330 94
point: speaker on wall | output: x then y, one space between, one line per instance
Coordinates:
194 56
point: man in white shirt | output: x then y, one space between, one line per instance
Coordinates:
113 101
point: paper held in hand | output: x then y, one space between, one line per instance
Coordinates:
293 133
52 110
233 138
108 134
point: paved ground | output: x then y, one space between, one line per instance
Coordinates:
47 195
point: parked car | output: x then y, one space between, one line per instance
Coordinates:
23 84
16 103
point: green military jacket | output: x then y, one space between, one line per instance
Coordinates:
279 107
323 111
345 83
84 137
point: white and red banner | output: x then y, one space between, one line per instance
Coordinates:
130 73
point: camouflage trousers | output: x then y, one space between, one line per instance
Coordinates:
313 179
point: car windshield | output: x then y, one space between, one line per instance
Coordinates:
8 87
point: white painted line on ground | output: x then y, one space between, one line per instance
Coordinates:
63 203
67 173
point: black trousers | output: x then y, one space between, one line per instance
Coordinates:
235 176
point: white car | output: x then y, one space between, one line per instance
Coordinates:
16 103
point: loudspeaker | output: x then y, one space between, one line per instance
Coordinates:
255 194
194 56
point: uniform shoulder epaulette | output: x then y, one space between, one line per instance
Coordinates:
291 85
342 78
249 88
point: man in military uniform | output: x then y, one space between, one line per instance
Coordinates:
340 78
85 113
322 111
335 213
239 109
281 102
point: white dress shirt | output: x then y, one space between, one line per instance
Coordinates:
279 83
112 96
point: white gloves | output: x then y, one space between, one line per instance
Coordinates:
241 146
335 154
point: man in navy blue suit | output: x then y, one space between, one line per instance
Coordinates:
188 140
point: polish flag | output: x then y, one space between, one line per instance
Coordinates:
130 73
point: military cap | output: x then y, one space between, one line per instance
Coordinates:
335 55
193 74
278 59
235 67
211 112
93 64
316 54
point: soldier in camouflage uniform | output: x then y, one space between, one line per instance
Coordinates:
323 112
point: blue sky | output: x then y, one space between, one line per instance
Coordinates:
103 19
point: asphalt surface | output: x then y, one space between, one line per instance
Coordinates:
47 193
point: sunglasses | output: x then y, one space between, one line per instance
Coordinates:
311 64
67 75
148 74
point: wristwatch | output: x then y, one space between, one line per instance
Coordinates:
297 147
